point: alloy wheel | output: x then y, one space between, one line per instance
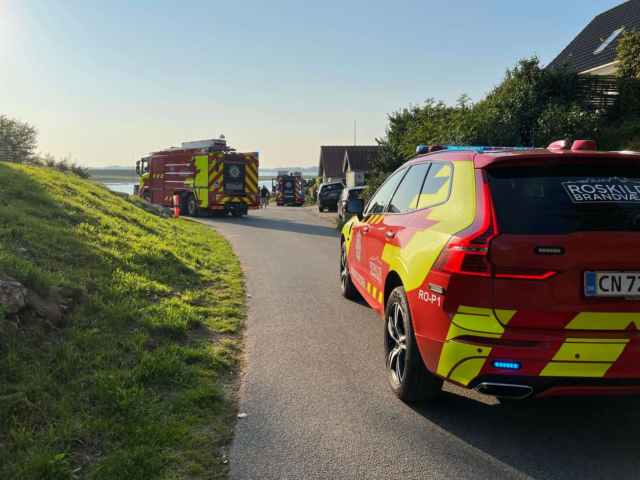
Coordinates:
396 342
344 268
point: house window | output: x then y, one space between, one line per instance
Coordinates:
610 39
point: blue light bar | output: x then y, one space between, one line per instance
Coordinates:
425 148
506 365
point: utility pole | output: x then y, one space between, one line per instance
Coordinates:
354 133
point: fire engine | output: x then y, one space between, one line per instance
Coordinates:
205 175
289 188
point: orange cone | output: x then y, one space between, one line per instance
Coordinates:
176 205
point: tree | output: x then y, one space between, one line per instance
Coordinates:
18 140
530 103
628 55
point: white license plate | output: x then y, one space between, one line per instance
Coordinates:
612 284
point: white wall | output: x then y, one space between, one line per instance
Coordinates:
355 179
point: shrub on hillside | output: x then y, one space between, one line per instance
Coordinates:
18 143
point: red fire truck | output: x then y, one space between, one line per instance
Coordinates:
289 188
206 175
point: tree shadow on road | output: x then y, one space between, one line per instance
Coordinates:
564 437
273 224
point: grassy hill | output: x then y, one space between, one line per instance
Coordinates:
140 378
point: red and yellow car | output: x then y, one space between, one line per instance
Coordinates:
515 272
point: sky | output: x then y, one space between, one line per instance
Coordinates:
108 81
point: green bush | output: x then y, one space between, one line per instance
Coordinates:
532 106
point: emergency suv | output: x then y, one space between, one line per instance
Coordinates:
205 175
289 188
515 272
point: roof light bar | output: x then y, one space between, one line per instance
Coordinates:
426 148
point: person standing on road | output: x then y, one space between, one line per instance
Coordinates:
264 197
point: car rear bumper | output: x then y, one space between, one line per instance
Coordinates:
328 202
559 386
556 363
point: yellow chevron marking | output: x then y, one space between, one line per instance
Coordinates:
375 291
575 369
455 352
380 297
479 320
252 175
380 219
368 287
603 321
467 371
589 352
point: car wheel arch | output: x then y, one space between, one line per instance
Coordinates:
392 282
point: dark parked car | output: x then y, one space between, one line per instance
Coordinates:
346 195
328 195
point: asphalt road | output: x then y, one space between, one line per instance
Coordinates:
318 404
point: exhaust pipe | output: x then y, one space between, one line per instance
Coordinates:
504 390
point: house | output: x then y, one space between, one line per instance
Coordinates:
358 165
332 160
593 51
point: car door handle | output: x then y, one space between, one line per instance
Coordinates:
365 229
390 235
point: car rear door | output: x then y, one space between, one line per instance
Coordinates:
568 252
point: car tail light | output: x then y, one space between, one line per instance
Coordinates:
467 252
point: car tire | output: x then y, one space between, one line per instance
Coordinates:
320 209
347 288
408 376
146 196
192 206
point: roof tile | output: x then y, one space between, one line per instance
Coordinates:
579 52
332 158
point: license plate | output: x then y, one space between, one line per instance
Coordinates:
612 284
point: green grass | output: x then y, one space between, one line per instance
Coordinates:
142 382
113 175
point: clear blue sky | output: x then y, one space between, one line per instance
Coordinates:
105 79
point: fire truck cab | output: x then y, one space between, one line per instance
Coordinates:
205 175
289 188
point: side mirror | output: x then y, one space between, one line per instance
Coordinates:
138 167
355 207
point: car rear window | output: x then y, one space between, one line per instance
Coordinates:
328 188
562 199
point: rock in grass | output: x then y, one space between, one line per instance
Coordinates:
47 309
12 294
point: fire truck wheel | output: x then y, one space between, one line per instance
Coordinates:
183 206
192 206
347 288
146 197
